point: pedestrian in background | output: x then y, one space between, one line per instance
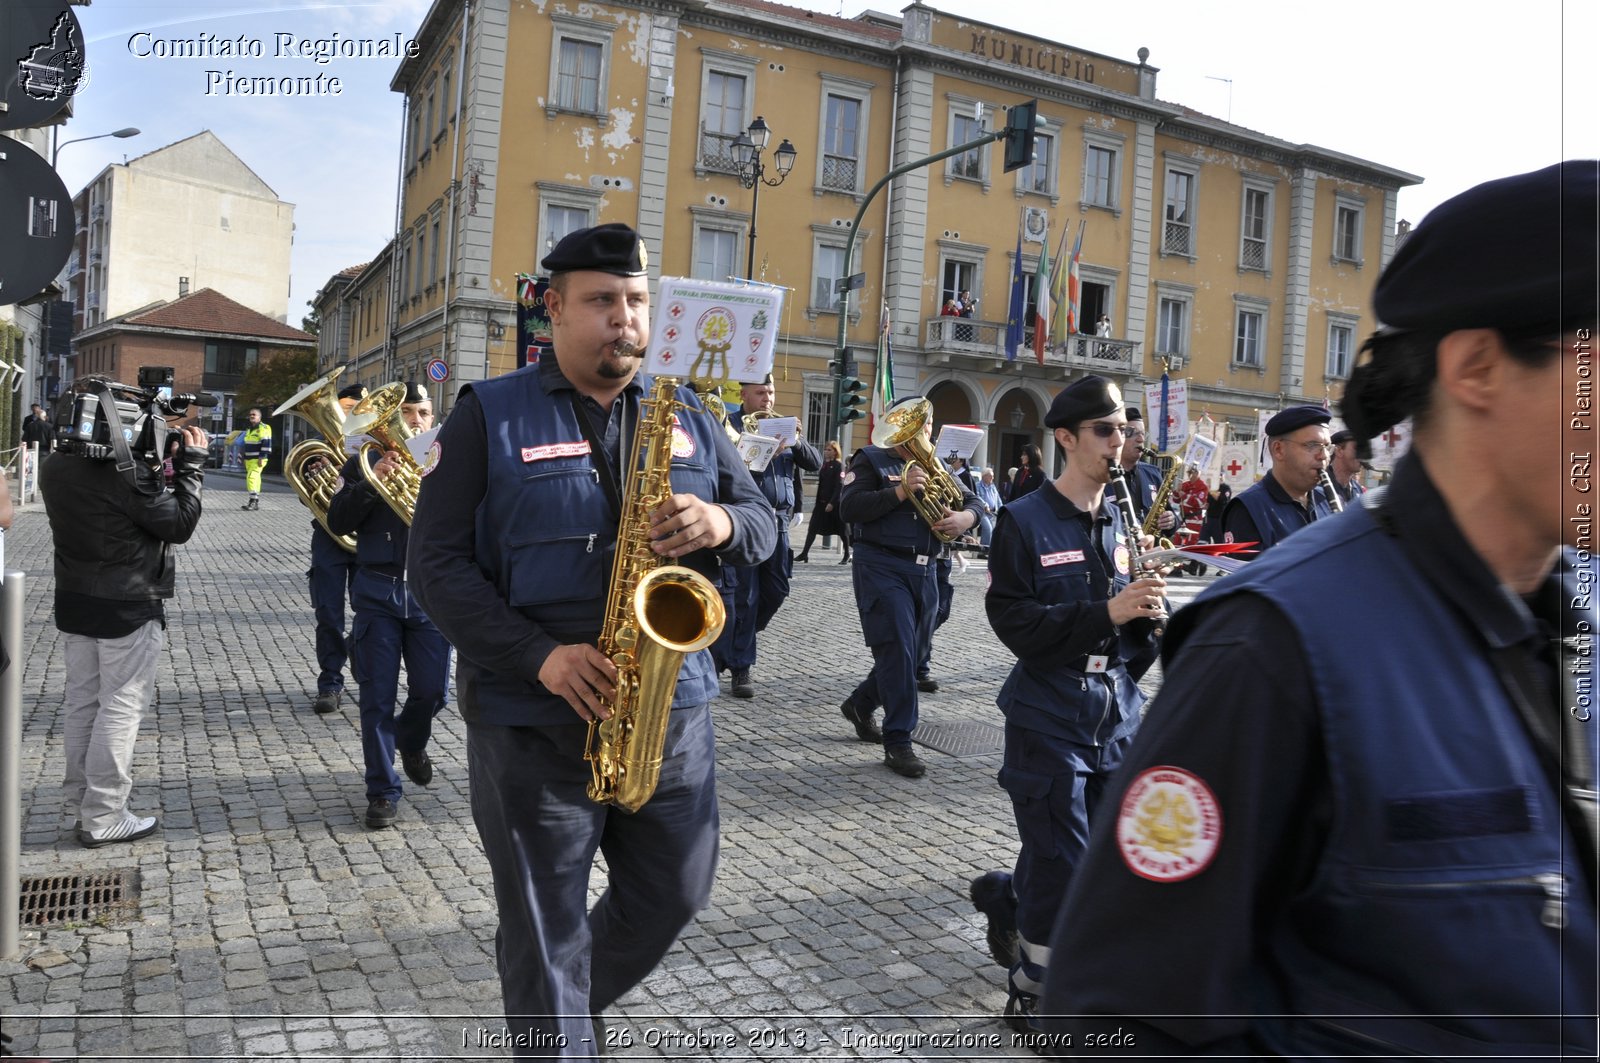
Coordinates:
825 508
255 446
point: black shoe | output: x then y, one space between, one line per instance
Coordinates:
418 766
380 814
742 685
247 505
803 559
866 730
992 897
845 560
902 761
1020 1016
327 701
927 684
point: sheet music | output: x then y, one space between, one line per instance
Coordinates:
783 429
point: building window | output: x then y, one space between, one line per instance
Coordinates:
1039 176
969 164
1177 235
416 131
1347 217
422 246
722 119
1247 334
1102 158
405 266
1172 327
580 64
716 253
819 414
958 276
229 359
446 106
1253 229
827 269
427 126
433 263
1341 346
841 143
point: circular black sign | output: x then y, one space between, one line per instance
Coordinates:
36 223
41 60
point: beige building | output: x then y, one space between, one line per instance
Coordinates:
1242 260
187 216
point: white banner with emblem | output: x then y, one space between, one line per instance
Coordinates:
1177 415
1236 465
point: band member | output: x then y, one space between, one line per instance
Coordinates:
390 629
1371 853
331 576
1285 499
1065 598
1144 478
759 590
545 450
1345 469
896 588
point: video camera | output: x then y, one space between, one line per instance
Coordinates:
135 414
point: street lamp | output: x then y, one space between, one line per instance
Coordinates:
121 134
747 150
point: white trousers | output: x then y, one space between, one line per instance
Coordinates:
109 685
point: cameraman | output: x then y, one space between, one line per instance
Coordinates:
113 533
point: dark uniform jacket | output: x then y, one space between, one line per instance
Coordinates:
868 504
1394 871
1052 569
529 569
1264 513
358 509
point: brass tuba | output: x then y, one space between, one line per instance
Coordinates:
655 613
901 429
312 466
378 416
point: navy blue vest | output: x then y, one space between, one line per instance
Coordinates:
903 527
1276 520
1448 857
381 539
546 532
1060 697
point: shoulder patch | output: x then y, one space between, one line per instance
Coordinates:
849 477
431 461
1169 826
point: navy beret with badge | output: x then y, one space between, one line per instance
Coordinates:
611 248
1517 254
1083 400
353 391
414 394
1294 418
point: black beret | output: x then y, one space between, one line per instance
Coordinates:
1082 400
1132 414
611 248
414 394
1285 421
354 391
1341 437
1517 254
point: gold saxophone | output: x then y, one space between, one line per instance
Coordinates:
378 415
312 466
655 613
901 430
1152 516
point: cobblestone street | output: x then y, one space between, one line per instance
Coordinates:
267 922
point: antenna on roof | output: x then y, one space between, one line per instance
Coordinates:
1210 77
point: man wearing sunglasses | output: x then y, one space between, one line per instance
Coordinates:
1066 598
1285 499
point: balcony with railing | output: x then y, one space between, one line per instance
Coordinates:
965 342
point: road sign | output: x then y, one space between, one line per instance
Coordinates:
438 371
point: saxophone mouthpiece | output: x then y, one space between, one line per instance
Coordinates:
624 349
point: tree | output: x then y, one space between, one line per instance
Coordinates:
312 322
277 375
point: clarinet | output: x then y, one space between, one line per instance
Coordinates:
1124 495
1332 492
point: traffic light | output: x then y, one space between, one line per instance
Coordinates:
848 400
1022 126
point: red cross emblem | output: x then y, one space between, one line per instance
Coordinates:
1392 437
1234 468
671 333
675 311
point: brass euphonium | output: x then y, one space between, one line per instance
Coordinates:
312 466
655 613
902 430
752 420
378 416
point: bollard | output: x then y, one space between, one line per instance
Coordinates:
11 594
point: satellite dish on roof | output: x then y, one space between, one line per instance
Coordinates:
36 222
41 61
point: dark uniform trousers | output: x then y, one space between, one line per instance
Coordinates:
390 629
898 600
947 600
753 595
331 576
558 965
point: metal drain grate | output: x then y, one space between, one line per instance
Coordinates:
57 900
961 739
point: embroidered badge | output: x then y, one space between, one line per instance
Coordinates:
431 460
682 443
1227 537
848 478
556 450
1169 826
338 485
1063 557
1120 558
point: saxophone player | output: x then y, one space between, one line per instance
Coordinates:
512 541
1067 599
1144 478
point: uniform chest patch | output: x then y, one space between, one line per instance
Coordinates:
1170 826
1120 558
682 443
556 450
1061 557
431 459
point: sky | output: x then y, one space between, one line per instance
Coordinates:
1424 87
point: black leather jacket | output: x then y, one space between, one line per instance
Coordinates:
112 541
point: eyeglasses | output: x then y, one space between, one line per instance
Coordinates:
1105 429
1316 448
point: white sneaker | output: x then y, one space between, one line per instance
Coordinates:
129 828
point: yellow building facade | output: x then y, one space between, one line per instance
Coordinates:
1243 262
